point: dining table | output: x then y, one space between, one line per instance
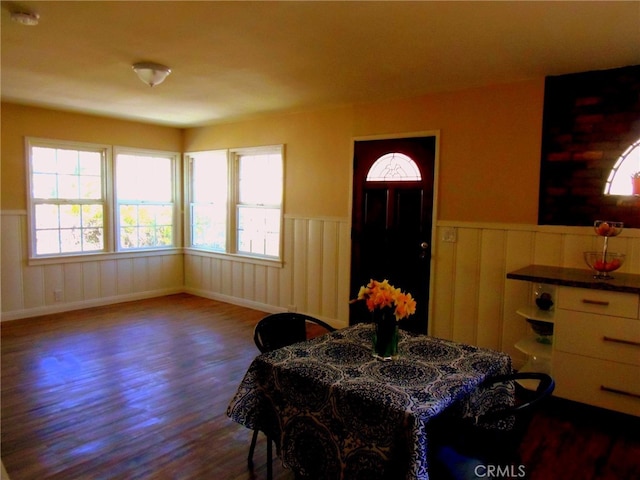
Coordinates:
335 411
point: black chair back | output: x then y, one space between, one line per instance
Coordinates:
282 329
276 331
460 444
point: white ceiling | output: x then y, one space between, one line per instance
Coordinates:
237 59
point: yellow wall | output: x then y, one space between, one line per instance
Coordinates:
19 122
489 149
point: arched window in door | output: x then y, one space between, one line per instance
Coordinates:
619 181
394 167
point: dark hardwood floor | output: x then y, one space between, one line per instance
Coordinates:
139 391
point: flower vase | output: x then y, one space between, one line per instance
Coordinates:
385 337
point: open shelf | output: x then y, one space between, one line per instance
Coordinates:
534 313
530 346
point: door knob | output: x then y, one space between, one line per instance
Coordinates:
424 245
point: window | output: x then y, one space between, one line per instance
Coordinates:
67 198
145 200
208 208
236 201
619 181
394 167
71 197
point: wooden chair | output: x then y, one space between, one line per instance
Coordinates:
276 331
463 449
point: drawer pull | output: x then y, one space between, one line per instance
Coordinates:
603 303
621 340
619 392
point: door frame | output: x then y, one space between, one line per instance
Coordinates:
434 212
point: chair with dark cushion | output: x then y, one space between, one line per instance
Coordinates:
280 330
463 448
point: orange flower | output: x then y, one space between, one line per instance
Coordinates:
383 295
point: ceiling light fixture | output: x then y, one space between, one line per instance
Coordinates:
25 18
151 73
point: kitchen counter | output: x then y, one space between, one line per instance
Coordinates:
577 277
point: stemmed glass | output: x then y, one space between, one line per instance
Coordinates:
606 229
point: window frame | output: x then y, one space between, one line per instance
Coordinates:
105 153
174 158
108 200
233 192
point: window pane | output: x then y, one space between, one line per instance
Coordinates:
93 239
92 216
256 230
44 186
90 187
208 227
47 216
43 160
90 163
70 216
209 183
144 178
209 177
68 187
70 240
146 226
128 237
261 179
67 161
47 242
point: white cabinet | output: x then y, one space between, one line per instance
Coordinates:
595 356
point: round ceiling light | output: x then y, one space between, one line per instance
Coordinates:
25 18
151 73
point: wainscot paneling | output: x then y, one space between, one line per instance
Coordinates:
30 290
473 302
471 299
313 277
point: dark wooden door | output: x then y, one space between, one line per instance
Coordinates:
391 225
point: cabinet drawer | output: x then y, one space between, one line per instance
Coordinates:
609 338
601 302
602 383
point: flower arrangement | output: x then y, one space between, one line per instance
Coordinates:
379 295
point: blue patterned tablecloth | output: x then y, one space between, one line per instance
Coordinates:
336 412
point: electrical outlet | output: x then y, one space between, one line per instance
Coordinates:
449 235
57 295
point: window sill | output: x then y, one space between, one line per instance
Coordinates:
236 257
99 257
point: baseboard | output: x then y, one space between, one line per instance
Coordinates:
263 307
98 302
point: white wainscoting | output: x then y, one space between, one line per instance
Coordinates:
29 290
313 278
471 299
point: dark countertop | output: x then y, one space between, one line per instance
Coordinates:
577 277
